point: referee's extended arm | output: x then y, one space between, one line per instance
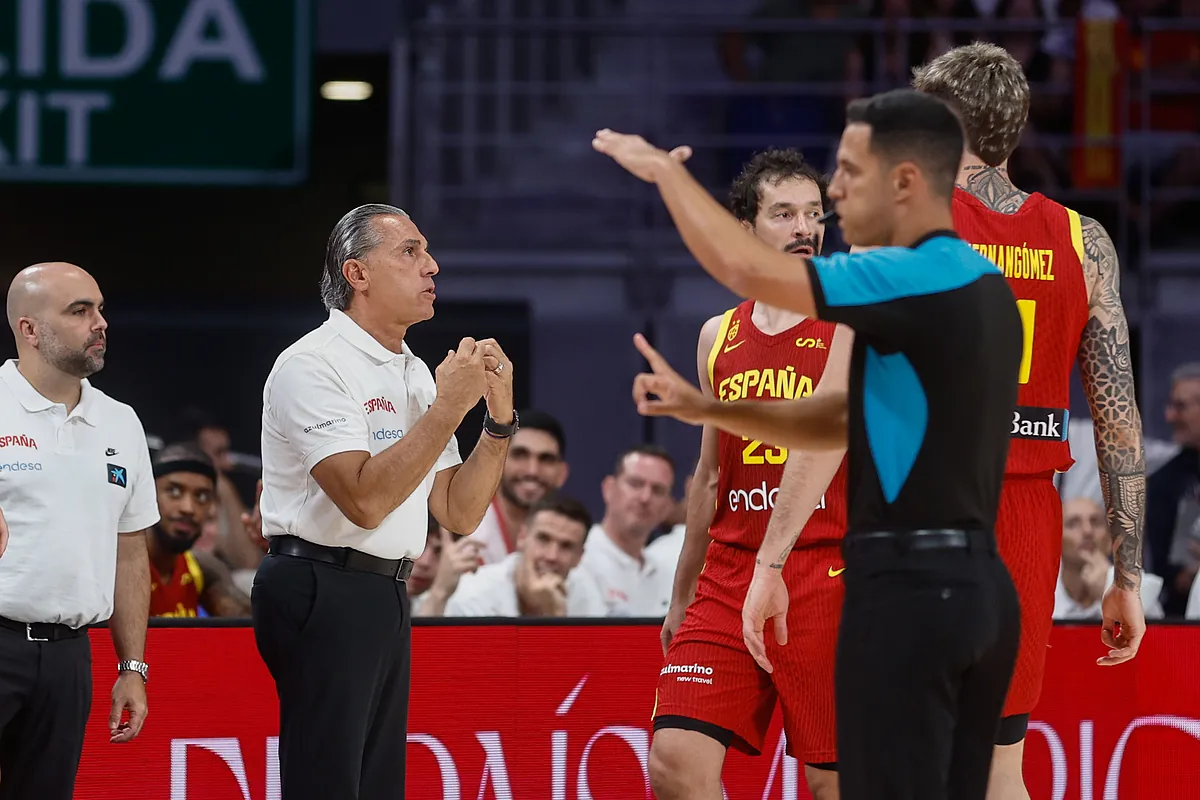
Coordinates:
736 258
816 422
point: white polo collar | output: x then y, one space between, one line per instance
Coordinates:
34 401
353 333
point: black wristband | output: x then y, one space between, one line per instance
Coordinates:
498 431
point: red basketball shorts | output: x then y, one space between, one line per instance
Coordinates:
1029 534
709 675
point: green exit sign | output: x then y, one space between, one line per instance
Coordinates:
155 91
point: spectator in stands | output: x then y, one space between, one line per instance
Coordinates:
185 582
1083 478
667 546
213 438
1173 495
1171 58
637 497
536 466
795 55
436 574
541 578
1086 569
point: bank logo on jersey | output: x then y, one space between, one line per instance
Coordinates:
1047 424
817 343
1019 261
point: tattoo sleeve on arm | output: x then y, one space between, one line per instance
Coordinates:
1107 373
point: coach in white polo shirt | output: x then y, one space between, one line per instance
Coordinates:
358 447
77 492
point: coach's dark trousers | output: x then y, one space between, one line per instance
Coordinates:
45 697
926 650
337 643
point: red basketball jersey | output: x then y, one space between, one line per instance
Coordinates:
746 363
1040 250
179 596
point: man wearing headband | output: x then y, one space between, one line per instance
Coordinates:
182 580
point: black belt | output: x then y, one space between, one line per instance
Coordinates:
42 631
934 539
398 569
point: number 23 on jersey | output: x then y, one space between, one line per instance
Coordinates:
756 453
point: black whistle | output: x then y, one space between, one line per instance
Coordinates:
828 216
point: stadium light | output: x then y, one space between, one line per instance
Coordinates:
346 90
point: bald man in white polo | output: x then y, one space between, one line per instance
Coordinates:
77 493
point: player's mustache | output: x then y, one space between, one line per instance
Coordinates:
810 243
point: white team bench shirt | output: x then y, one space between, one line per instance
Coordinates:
336 390
69 484
631 588
491 591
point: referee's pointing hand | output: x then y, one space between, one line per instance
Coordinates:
665 392
3 533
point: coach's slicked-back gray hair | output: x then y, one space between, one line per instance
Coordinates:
354 236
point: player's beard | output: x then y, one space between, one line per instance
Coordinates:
174 544
508 489
81 363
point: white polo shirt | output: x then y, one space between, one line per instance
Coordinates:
491 591
335 390
1066 608
631 588
69 483
490 533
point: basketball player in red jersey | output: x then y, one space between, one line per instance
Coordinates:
182 580
1063 270
711 693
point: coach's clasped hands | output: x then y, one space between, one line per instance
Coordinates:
665 393
637 155
477 369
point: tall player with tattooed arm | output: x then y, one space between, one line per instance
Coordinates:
1063 270
743 491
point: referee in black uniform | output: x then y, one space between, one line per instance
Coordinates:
931 620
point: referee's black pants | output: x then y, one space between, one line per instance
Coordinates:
45 698
926 650
337 642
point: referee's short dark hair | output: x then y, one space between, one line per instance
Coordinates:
911 126
568 507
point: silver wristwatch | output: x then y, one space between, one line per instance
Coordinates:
140 667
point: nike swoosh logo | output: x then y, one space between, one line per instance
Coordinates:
734 346
833 573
